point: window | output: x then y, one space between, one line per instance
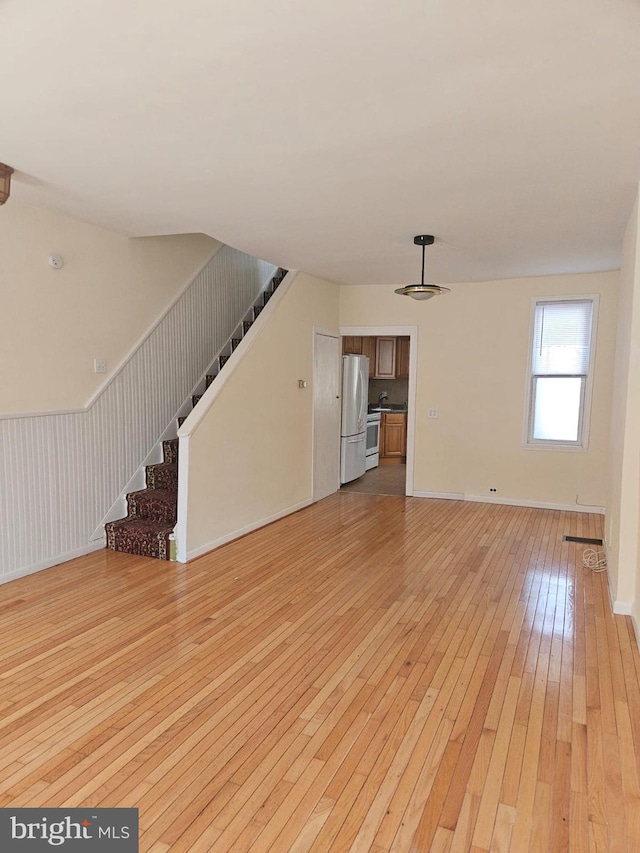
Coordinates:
561 372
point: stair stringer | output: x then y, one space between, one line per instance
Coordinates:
207 401
137 481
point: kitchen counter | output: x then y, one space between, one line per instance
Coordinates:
391 407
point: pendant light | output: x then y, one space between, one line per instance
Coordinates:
422 291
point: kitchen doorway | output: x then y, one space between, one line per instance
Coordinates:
383 480
392 353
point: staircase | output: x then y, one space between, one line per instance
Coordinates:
152 512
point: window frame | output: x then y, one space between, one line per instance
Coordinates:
584 416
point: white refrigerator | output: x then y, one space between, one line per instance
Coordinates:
353 432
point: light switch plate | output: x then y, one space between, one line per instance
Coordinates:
432 413
100 365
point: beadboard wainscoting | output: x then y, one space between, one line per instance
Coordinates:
62 471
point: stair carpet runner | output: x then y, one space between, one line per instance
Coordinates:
152 511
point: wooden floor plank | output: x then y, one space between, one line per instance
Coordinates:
372 673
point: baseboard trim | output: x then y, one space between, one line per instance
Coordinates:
242 531
458 496
623 608
443 496
636 627
54 561
535 504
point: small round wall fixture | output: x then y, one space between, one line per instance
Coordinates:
422 291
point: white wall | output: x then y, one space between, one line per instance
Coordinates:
105 298
250 457
623 521
61 473
472 363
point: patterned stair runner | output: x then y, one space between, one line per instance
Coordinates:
151 512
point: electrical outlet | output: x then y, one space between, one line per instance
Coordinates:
493 490
100 365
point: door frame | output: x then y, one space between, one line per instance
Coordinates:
412 333
329 333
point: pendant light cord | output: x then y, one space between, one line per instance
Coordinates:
422 277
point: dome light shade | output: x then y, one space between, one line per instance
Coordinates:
422 291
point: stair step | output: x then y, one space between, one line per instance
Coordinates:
210 378
196 399
159 505
246 325
223 359
140 536
256 310
235 343
170 448
162 476
266 296
181 421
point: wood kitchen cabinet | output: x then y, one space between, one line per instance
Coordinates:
369 349
385 358
388 356
402 357
393 436
361 345
352 345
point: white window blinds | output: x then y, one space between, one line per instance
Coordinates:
561 338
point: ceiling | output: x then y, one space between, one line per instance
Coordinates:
323 135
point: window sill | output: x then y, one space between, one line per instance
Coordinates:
564 448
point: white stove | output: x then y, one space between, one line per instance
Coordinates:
372 451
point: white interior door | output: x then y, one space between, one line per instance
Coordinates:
326 415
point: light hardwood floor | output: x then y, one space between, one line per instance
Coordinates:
372 673
383 480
